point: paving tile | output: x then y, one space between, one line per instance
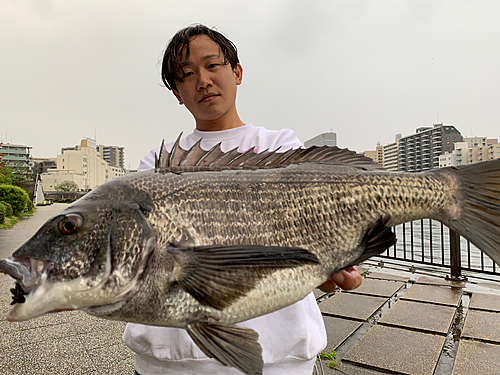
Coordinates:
387 276
15 370
34 335
113 359
42 321
482 325
338 330
345 368
11 358
398 350
351 305
483 301
65 356
474 357
104 337
318 293
429 280
376 287
434 294
421 316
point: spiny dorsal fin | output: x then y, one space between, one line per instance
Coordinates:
216 158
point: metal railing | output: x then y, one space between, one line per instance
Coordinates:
430 242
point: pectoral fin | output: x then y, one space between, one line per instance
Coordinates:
230 345
218 275
376 240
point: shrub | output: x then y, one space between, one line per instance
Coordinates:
8 209
15 196
2 212
5 180
30 205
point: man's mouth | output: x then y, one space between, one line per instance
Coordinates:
208 97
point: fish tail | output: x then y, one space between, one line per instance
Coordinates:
479 218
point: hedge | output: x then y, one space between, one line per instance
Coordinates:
15 196
5 180
8 208
2 212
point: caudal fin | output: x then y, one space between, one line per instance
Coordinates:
480 218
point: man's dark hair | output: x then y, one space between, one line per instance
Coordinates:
179 43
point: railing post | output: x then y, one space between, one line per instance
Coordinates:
455 259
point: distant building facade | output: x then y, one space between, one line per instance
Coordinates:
377 156
324 139
421 151
463 153
114 155
390 154
16 154
42 165
83 165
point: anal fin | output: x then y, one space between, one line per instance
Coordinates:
229 344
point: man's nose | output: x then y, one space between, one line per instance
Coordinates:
204 80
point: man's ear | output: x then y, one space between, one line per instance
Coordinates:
238 73
178 96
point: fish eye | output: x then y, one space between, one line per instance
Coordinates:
71 224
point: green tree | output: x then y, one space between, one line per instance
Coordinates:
20 175
67 187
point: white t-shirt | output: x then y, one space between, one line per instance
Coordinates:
290 338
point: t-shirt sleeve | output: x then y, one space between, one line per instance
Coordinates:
148 161
287 139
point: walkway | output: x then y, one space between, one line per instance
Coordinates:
396 322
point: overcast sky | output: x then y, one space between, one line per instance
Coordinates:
364 69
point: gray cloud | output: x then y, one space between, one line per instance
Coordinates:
365 69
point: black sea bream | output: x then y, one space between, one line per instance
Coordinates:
212 239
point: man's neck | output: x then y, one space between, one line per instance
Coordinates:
220 124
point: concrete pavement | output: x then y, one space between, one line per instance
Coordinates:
63 343
397 322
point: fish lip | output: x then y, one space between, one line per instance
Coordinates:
28 272
209 95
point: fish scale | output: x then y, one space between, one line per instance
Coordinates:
210 239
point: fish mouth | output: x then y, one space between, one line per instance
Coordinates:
29 273
36 294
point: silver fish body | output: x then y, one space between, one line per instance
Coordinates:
205 247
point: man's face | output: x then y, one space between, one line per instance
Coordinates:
209 86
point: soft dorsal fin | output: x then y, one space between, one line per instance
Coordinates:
216 158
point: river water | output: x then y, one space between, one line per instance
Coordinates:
429 241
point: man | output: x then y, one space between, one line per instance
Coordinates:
202 69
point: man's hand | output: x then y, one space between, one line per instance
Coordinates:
346 279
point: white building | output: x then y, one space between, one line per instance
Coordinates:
323 139
464 153
83 165
16 154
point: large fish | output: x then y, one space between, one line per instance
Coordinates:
211 239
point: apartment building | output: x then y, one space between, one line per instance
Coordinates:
82 164
390 154
421 151
377 156
464 153
114 155
16 154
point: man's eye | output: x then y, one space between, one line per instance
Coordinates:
188 74
211 66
